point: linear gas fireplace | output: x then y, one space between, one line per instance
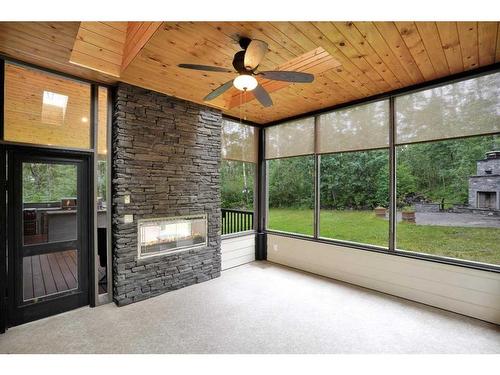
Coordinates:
171 234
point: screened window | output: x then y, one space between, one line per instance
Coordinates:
239 155
448 170
290 170
291 195
239 142
465 108
238 180
361 127
354 196
290 139
354 174
447 198
44 109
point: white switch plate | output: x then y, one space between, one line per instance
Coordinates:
126 199
127 219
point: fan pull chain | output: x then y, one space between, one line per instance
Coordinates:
245 109
241 103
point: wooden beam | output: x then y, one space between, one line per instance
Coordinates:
138 34
99 46
109 47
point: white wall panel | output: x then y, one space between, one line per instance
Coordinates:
463 290
237 250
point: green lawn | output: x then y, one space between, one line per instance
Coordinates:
476 244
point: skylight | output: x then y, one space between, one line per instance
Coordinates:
54 108
57 100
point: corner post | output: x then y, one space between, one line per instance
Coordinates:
94 119
3 219
392 175
261 236
317 180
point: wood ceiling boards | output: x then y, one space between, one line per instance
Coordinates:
367 58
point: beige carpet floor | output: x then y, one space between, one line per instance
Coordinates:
258 308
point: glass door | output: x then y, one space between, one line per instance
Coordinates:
49 209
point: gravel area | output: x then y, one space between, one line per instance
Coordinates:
450 219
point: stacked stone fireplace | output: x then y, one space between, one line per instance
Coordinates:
484 187
166 156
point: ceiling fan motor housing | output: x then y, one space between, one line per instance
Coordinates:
244 42
245 62
239 63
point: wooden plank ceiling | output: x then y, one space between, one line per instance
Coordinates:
363 58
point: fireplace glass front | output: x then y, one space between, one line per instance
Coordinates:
165 235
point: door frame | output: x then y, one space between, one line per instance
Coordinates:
95 298
16 314
3 241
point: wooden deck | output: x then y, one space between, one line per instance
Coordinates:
48 274
53 273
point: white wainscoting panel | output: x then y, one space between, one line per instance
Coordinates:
238 250
463 290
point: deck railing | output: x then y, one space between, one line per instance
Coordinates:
234 221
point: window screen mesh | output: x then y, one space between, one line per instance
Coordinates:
239 141
464 108
361 127
290 139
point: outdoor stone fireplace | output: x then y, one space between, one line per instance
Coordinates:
166 156
484 187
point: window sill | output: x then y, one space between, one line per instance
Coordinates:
237 234
400 253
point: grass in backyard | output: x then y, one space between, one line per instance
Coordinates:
476 244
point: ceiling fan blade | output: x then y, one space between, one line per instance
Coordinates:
219 90
262 96
254 53
206 68
286 76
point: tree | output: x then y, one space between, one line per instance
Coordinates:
44 182
291 182
237 179
354 180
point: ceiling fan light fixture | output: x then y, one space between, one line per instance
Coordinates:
245 62
245 82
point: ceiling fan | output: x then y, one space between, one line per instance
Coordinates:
245 63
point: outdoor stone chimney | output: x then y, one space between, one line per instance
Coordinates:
166 159
490 164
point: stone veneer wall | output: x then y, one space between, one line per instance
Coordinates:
166 155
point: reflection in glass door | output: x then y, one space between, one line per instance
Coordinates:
50 246
50 209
